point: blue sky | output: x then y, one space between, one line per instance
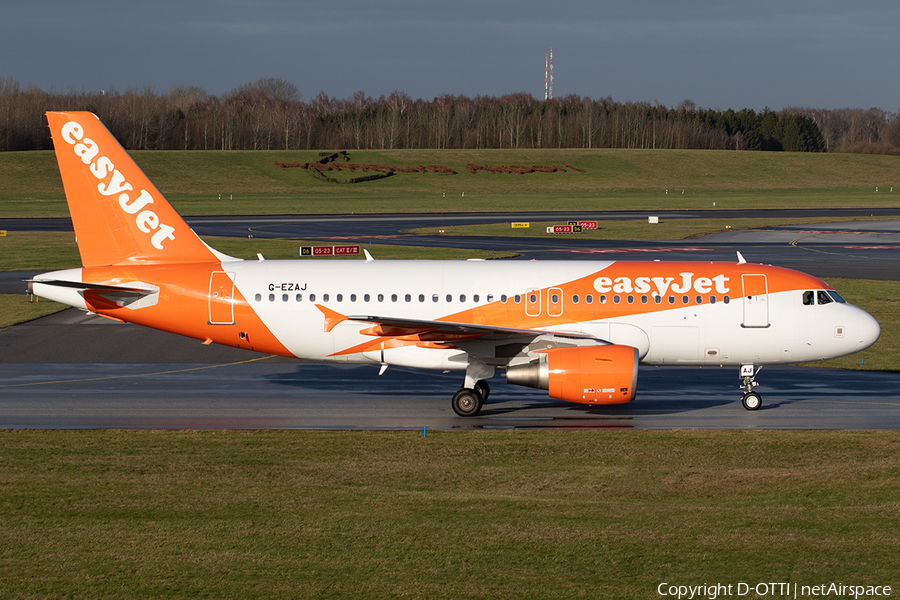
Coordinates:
719 54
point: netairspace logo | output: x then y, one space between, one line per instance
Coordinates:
771 590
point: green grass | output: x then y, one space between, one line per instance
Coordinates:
292 514
17 308
38 250
250 183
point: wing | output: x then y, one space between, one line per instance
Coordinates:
492 344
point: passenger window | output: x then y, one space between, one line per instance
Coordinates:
630 299
284 297
435 297
532 298
312 297
462 297
421 297
671 299
574 298
449 298
616 298
271 297
726 299
517 298
503 298
475 298
589 299
554 298
352 297
712 299
366 298
324 297
407 298
393 297
258 297
699 299
381 297
809 298
340 297
823 297
299 297
490 297
657 299
685 299
602 299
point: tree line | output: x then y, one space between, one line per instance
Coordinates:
270 114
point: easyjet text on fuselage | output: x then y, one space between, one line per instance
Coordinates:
662 285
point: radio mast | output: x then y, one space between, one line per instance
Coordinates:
551 74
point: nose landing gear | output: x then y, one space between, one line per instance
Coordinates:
751 400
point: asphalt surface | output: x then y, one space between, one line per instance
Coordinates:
71 370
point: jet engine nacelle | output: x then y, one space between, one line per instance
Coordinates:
585 374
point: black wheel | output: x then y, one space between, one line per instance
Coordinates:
751 401
467 402
483 389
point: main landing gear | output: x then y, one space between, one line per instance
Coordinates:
467 402
751 400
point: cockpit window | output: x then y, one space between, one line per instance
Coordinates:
837 297
809 298
822 297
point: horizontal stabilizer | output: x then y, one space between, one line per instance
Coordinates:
132 295
94 287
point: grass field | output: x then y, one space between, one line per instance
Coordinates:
250 183
590 514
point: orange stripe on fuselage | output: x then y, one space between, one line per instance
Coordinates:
183 305
624 278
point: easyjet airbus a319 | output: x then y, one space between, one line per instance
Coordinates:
578 329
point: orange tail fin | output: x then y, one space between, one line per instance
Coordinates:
119 215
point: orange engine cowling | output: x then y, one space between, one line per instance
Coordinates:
585 374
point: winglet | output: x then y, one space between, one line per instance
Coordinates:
332 318
368 256
741 259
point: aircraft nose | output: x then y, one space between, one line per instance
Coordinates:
869 330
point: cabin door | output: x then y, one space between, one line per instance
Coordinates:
221 298
756 301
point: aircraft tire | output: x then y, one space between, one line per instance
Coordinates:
483 389
467 402
751 401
